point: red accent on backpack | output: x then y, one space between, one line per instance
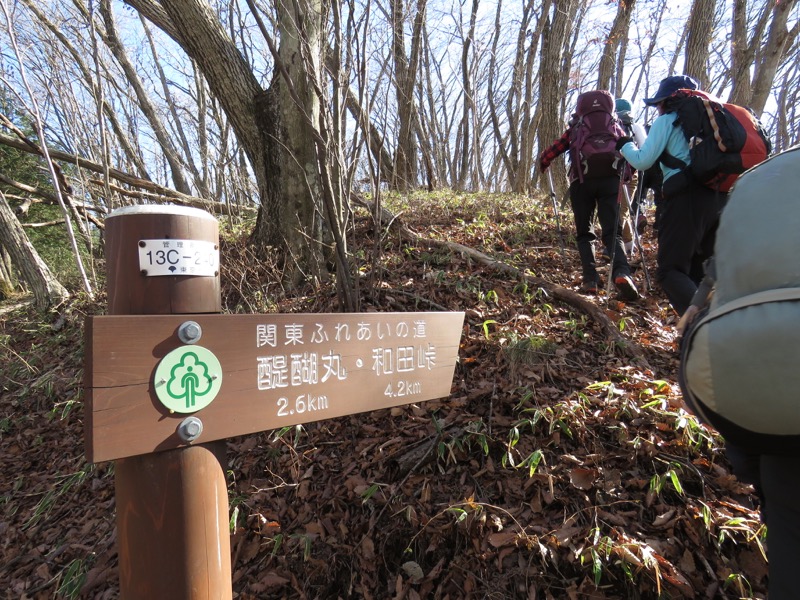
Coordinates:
594 136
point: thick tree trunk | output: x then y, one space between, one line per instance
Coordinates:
778 40
617 39
8 281
272 127
47 291
700 27
293 218
768 41
554 38
406 69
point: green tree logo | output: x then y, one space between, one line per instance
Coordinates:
188 379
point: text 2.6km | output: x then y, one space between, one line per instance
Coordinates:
302 404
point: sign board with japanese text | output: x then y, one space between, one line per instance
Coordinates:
251 373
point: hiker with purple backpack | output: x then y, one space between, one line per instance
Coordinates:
595 176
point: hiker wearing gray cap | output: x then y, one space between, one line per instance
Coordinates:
691 210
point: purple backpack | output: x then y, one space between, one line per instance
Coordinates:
594 135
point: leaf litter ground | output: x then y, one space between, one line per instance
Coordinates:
559 467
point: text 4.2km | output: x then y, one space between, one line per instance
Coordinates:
399 389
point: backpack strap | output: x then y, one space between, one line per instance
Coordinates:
665 158
776 295
671 162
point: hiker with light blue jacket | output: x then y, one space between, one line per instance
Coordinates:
691 210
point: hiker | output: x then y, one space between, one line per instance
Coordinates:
630 209
594 187
739 342
691 210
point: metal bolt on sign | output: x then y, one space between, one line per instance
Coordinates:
190 332
190 429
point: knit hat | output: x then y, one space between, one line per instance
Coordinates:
622 105
669 86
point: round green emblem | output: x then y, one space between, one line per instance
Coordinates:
188 379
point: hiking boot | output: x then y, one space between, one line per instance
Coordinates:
626 288
589 286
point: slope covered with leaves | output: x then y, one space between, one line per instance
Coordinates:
557 468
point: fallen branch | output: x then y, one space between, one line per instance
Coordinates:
560 293
160 193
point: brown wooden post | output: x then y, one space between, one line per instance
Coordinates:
172 506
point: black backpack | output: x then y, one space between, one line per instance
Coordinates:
627 122
724 139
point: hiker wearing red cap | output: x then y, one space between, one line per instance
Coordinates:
691 210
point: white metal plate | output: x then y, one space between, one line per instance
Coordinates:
178 257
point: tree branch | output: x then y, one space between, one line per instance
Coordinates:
167 194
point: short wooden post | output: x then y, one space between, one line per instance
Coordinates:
172 506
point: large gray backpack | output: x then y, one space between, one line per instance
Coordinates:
740 359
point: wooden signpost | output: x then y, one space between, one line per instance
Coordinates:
167 378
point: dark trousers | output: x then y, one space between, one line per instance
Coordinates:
601 196
778 486
686 233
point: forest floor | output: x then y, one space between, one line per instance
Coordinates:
560 466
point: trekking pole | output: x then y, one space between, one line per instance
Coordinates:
555 210
638 195
637 239
613 253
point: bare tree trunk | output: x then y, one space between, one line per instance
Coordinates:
554 38
788 110
274 127
62 189
522 116
435 154
700 27
131 152
47 291
112 40
741 55
291 110
778 40
515 149
406 70
8 281
615 43
768 42
499 138
468 107
658 13
186 159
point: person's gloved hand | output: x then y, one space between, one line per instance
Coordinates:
687 318
621 142
542 166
